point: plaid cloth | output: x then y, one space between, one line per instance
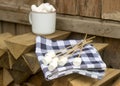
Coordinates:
92 64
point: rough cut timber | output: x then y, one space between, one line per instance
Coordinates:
1 77
7 78
82 81
111 74
38 80
19 76
100 46
112 52
11 60
21 65
64 81
0 27
24 43
32 61
117 83
4 60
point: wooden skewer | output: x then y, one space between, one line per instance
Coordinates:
90 38
76 47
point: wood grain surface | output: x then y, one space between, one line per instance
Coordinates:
111 9
90 8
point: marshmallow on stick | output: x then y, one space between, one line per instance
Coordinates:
77 60
48 57
63 60
53 64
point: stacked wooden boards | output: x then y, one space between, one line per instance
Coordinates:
19 65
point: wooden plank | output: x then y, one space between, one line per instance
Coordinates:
0 27
20 65
11 60
4 62
64 81
32 61
65 6
7 6
82 81
8 27
100 46
12 2
94 27
117 82
19 76
112 52
31 2
21 29
37 79
14 84
7 78
111 9
10 16
1 77
3 37
23 43
53 2
108 77
90 8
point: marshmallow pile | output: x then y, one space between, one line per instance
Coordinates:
44 7
53 61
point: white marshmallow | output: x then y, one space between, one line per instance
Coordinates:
48 7
41 7
77 61
34 8
46 60
52 8
44 7
51 54
62 61
53 64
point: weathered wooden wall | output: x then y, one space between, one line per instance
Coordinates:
14 28
95 17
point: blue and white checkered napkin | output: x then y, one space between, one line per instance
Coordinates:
92 64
